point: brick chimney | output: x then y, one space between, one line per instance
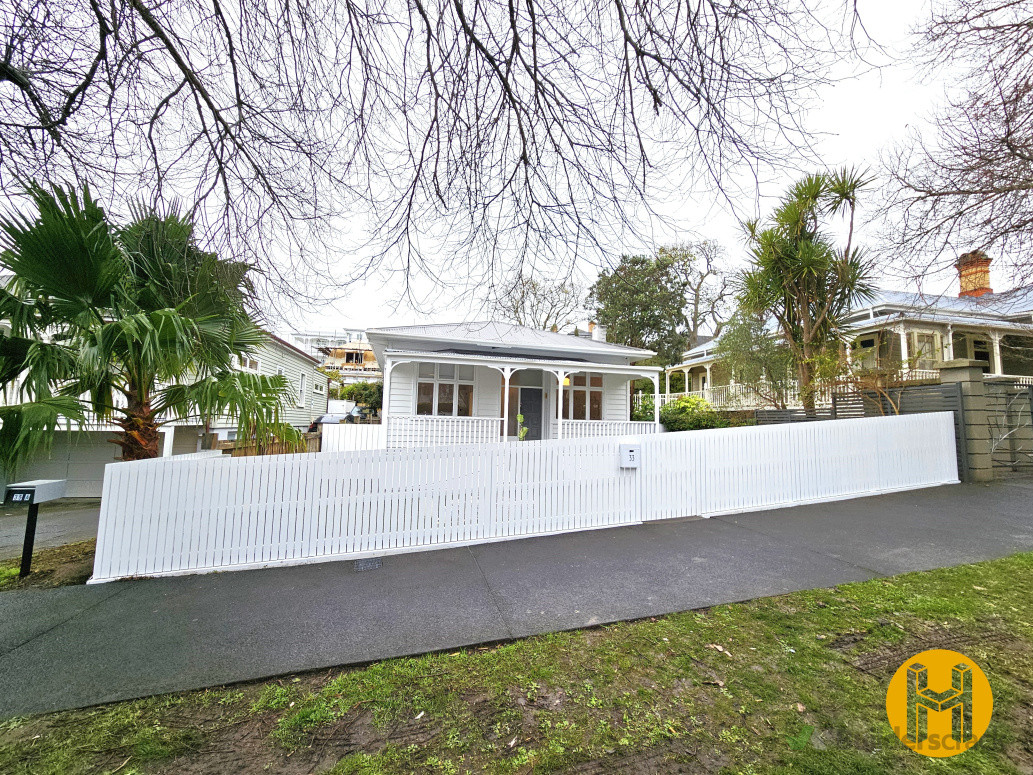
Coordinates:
974 273
591 326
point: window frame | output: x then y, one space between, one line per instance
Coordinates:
244 363
587 388
437 381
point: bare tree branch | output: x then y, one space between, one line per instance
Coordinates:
970 185
454 138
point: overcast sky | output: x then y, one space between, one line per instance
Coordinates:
859 118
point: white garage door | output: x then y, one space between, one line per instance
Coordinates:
80 458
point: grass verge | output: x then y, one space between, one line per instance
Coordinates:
790 684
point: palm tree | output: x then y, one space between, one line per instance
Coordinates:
800 278
137 324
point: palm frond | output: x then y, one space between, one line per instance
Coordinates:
66 253
27 430
254 401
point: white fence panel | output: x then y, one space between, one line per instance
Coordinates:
584 429
415 430
189 515
348 437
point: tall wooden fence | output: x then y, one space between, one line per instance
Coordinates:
173 516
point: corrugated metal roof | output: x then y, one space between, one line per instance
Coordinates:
497 334
1014 302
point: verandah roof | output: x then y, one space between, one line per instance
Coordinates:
500 362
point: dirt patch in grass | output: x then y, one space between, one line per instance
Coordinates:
884 659
57 566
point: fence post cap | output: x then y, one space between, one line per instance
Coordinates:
962 371
960 363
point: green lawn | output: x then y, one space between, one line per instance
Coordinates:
792 684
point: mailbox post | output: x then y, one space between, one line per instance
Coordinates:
32 494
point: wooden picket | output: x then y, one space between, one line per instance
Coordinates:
193 515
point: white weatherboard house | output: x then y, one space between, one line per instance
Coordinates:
469 382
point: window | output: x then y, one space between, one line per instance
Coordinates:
924 351
319 387
445 390
302 386
583 397
246 363
866 353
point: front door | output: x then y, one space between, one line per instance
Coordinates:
531 408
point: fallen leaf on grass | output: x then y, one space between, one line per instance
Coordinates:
720 648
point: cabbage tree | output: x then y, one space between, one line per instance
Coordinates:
800 278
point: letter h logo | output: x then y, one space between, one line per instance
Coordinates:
921 699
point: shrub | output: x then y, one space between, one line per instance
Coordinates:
368 394
643 411
690 413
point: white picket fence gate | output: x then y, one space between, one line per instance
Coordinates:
172 516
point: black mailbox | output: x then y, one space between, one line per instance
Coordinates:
32 494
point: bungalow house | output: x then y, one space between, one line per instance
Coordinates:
487 381
911 332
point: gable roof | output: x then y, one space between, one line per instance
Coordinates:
506 336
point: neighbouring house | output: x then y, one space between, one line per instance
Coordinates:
486 381
911 332
348 354
80 454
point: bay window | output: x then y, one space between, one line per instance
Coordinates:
444 390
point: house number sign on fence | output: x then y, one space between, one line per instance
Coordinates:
630 455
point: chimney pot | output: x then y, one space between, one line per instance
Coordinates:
591 326
974 273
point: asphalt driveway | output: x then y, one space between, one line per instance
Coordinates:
79 646
62 522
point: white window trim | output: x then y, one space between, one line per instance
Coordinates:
302 389
239 364
437 381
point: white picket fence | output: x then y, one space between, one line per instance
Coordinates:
177 516
348 437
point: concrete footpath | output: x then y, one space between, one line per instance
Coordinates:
78 646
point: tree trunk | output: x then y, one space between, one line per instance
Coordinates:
140 431
806 379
